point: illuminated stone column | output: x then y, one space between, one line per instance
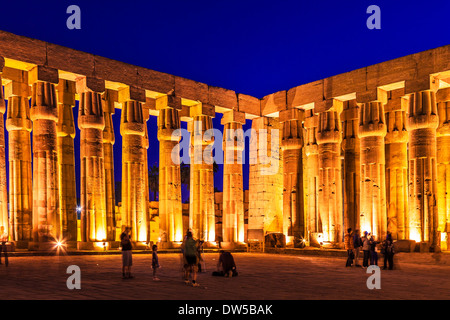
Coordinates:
396 141
170 207
233 183
18 124
265 213
91 122
350 145
293 201
443 165
110 99
65 129
330 190
132 128
422 123
312 172
372 130
4 221
201 209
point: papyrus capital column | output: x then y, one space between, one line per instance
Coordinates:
396 141
91 123
18 124
330 191
132 128
443 165
201 210
65 129
422 122
4 221
293 202
233 185
371 132
351 165
170 207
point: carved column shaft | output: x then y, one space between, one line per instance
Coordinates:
4 221
233 184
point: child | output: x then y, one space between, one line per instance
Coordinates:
155 262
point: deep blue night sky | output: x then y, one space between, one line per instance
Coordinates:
252 47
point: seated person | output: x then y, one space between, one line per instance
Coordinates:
226 265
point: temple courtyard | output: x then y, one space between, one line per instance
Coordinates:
262 276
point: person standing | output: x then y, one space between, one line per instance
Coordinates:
388 250
155 261
366 249
349 247
3 240
373 251
189 249
357 244
127 258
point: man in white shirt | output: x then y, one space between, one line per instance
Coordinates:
3 240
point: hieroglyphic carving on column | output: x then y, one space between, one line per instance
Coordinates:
351 166
372 130
312 172
265 179
132 128
18 124
233 183
396 141
170 207
443 165
4 221
330 190
201 210
291 146
422 123
110 98
92 185
65 129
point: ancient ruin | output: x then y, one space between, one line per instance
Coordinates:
367 149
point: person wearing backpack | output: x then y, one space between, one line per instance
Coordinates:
388 249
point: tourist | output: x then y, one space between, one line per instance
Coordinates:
357 244
201 262
366 249
226 265
3 240
190 258
373 251
349 247
388 251
127 258
155 261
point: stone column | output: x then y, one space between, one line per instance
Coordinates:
170 207
372 130
265 214
108 151
4 220
312 174
351 147
396 141
293 201
233 183
422 123
132 128
92 185
18 124
65 129
443 166
330 199
201 209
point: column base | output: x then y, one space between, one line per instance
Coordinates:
404 246
21 244
98 245
42 246
233 246
211 245
169 245
141 245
